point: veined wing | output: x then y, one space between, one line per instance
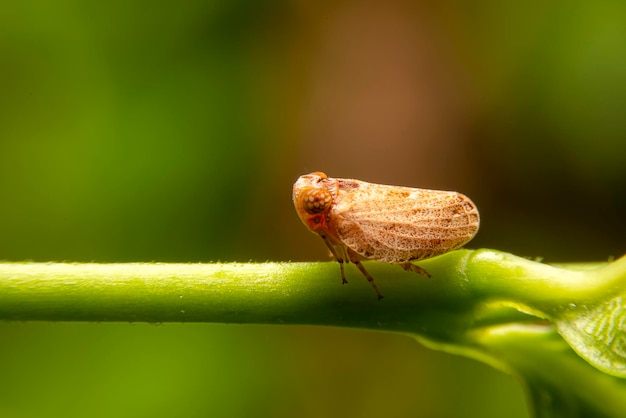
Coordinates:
399 224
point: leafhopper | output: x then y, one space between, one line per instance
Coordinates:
392 224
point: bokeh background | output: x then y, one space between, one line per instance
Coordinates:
173 131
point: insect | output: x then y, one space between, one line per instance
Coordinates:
391 224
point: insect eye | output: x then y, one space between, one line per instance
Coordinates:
315 200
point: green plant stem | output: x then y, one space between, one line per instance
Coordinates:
287 293
548 325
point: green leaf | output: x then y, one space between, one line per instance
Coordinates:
598 334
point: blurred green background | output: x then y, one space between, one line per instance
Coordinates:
173 131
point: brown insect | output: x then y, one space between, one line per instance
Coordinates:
391 224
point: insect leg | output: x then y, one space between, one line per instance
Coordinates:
335 253
354 258
416 269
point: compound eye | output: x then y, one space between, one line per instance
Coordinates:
315 200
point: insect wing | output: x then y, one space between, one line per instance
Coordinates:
398 224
